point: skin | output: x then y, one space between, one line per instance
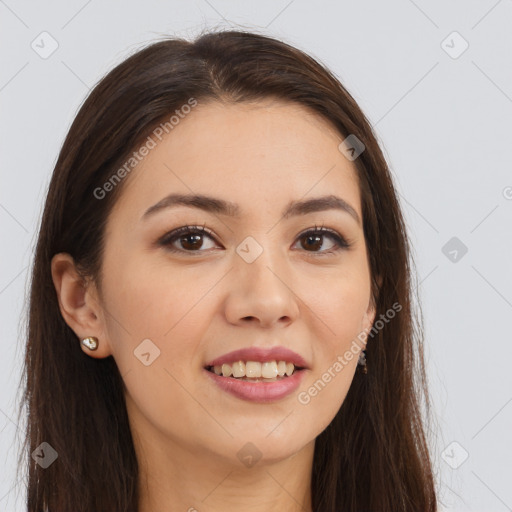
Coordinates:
195 307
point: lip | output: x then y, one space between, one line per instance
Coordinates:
261 355
262 392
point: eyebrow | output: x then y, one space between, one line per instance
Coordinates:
222 207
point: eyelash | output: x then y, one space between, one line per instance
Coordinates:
168 239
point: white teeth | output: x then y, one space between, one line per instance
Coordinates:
269 370
226 370
254 369
239 369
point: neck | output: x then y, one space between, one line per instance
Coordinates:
179 478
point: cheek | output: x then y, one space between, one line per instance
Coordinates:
335 314
171 307
338 307
338 321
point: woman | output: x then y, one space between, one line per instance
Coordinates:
220 308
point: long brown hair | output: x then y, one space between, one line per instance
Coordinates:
374 455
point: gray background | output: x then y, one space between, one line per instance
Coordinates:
442 116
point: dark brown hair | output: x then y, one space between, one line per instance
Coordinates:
374 455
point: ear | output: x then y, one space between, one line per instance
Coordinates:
369 315
79 304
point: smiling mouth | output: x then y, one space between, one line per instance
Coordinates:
254 371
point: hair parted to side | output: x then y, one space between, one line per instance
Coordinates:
374 455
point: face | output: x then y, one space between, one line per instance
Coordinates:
174 302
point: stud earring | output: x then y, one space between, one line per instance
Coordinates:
361 363
90 342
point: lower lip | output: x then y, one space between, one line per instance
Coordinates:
262 392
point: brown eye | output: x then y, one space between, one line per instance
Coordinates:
314 239
313 242
189 237
191 240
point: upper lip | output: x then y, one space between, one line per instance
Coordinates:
261 355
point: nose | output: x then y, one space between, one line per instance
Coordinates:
261 293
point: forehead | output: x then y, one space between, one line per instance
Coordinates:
258 154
